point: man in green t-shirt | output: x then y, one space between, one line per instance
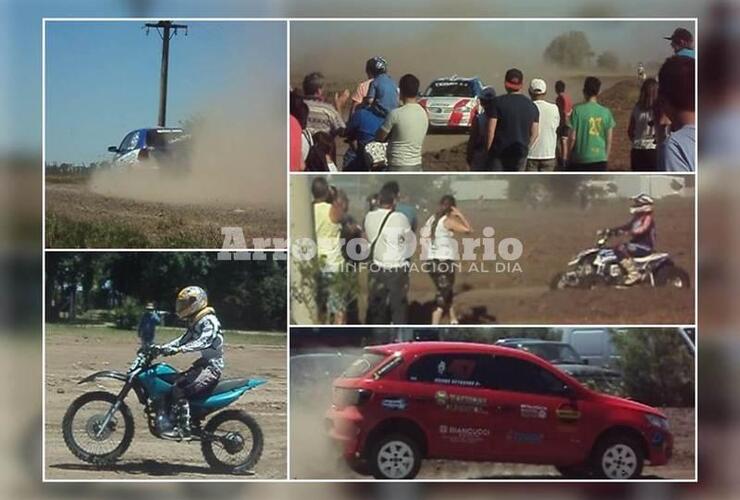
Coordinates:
591 131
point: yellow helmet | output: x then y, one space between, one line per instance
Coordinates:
190 301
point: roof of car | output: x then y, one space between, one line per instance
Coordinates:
413 348
455 77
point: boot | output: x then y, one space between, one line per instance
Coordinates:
182 416
633 275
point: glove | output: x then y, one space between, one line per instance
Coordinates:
169 351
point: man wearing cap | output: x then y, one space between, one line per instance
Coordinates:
682 42
512 126
542 153
147 325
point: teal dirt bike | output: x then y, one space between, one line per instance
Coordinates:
98 426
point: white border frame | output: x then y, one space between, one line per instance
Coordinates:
288 21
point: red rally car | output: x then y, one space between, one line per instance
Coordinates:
401 403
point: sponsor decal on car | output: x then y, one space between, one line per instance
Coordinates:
396 404
466 435
460 402
525 437
533 411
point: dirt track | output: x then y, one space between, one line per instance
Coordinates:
551 237
76 217
70 357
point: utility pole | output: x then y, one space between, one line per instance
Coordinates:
166 30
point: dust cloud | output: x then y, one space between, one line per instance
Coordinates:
236 156
313 455
466 48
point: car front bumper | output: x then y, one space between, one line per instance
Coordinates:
660 447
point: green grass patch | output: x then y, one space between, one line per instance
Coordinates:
62 232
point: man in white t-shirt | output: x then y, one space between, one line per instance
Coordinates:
541 156
391 238
405 129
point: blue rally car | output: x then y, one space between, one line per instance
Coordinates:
153 148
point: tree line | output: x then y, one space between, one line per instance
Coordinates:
246 294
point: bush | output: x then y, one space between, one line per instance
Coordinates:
608 60
570 50
657 366
127 315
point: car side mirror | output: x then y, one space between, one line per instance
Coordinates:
113 149
586 362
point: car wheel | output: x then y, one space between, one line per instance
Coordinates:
618 457
395 456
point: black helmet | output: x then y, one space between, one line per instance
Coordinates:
376 66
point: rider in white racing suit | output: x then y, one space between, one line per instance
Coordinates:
203 335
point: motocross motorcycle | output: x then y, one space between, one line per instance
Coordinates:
98 426
600 265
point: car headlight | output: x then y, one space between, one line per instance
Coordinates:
656 421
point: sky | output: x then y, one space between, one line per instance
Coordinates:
102 78
20 33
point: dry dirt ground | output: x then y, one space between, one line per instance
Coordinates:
72 354
314 456
551 237
77 217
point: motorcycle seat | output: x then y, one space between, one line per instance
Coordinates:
229 385
651 257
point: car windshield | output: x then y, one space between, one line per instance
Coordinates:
555 353
449 88
163 138
364 365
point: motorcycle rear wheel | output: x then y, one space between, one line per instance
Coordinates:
224 449
92 428
557 282
672 276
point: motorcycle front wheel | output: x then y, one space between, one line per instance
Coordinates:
232 442
88 438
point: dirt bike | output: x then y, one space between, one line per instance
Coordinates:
600 265
98 426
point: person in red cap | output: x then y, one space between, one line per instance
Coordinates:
512 126
682 42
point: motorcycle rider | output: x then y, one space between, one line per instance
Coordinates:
641 229
204 335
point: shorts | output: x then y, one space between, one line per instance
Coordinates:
563 131
442 273
331 296
547 165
